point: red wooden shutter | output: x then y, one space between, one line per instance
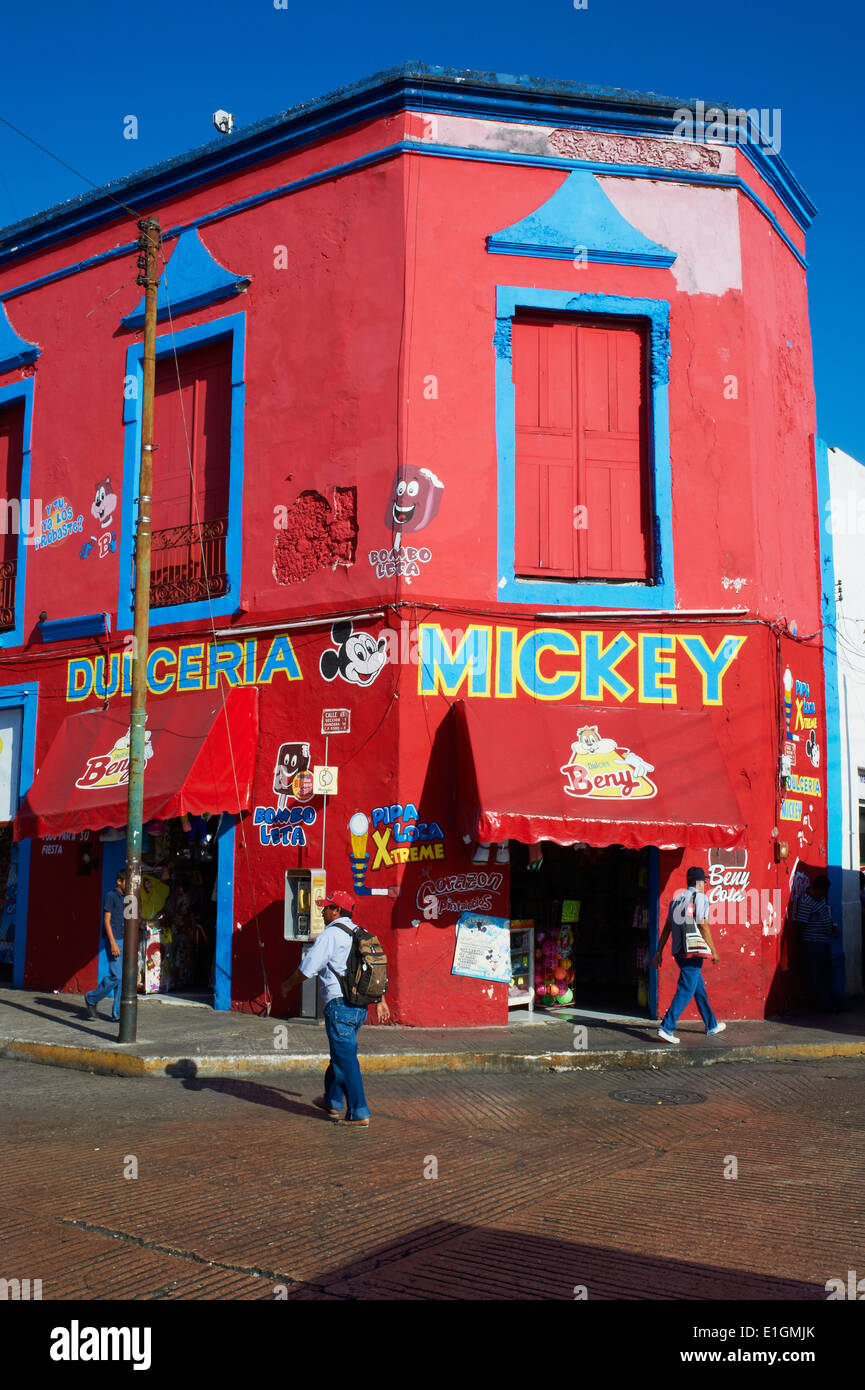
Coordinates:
191 483
11 452
613 483
580 441
546 447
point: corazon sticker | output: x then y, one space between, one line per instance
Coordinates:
599 767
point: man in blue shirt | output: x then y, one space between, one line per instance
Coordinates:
327 958
112 936
689 907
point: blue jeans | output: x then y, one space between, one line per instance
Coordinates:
342 1080
112 981
819 957
691 986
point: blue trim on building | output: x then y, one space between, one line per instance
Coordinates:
15 351
414 87
22 391
543 252
25 697
234 327
579 218
835 780
224 913
66 629
579 593
195 279
367 161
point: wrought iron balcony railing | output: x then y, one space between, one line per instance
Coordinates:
8 570
187 563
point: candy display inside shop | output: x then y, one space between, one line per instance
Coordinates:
589 911
178 906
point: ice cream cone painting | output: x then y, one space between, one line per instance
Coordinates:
599 767
358 829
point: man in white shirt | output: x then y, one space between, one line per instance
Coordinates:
328 959
688 908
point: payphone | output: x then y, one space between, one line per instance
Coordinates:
303 921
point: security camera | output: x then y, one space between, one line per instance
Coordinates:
224 121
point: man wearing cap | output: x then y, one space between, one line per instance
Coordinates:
327 958
689 904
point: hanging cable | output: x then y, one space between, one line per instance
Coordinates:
77 172
268 998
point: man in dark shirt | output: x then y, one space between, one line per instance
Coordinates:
814 916
112 935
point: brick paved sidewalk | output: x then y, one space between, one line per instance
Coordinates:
476 1186
177 1039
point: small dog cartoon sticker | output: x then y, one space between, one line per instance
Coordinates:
102 509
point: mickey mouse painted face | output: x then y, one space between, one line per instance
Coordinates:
359 657
414 500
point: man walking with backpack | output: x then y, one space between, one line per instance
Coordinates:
688 922
351 970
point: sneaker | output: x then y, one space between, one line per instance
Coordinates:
718 1028
321 1104
668 1037
91 1010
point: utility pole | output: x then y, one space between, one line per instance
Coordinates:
148 246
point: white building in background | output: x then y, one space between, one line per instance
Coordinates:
847 523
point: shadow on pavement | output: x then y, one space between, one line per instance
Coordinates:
72 1014
460 1262
255 1092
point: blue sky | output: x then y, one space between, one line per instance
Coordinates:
72 73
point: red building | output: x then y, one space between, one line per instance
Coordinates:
485 414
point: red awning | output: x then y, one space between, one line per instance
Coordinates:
201 760
580 773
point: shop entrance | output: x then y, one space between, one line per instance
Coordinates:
592 914
177 936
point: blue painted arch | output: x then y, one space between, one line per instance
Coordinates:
579 218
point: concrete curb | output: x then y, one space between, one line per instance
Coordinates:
105 1062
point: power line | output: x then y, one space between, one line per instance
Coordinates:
77 172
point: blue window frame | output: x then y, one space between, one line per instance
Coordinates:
233 327
21 391
573 593
25 698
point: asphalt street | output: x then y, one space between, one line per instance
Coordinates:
735 1182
